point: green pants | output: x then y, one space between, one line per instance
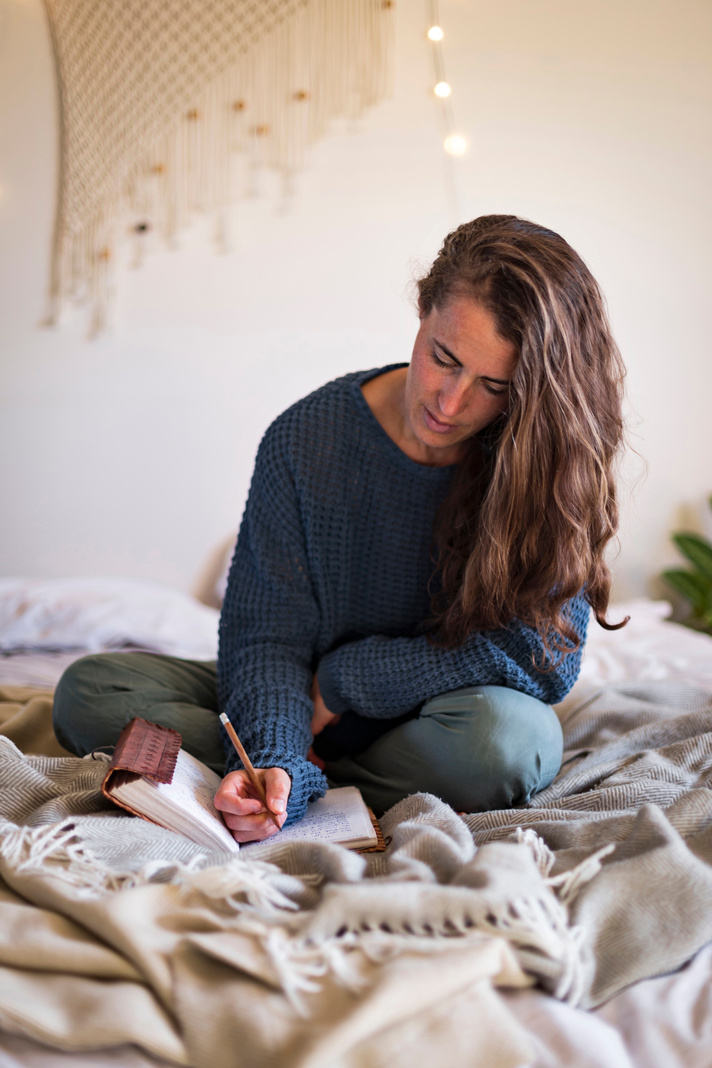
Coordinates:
480 748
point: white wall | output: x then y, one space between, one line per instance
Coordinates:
131 455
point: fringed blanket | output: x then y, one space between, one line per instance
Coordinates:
306 955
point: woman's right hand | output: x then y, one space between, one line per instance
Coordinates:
241 808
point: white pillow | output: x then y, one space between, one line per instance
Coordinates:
209 587
104 613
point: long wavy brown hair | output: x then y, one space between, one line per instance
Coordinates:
533 504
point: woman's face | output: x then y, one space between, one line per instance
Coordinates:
457 382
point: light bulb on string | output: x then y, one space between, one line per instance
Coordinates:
442 89
455 145
435 33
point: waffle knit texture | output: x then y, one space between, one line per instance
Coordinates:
330 573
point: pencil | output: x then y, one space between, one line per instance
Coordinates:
253 776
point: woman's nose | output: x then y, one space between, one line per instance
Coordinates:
452 397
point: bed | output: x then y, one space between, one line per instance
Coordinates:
575 931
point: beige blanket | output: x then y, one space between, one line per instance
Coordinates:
115 931
26 719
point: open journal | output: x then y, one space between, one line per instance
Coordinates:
152 777
340 816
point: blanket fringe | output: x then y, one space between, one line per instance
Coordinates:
244 885
298 968
29 848
536 925
57 849
569 883
543 856
305 944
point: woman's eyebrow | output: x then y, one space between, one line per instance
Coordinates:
453 357
447 352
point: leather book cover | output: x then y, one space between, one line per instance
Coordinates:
381 843
143 749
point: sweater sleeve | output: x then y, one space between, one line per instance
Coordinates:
267 631
381 677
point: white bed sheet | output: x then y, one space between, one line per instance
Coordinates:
46 624
660 1023
42 671
54 615
665 1022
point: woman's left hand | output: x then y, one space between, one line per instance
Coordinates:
322 716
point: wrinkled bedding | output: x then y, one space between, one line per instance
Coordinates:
646 794
603 880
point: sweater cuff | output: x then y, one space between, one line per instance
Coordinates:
308 781
326 674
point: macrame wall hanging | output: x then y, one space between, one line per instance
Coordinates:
169 106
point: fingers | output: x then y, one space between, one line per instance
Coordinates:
277 786
237 795
252 828
242 810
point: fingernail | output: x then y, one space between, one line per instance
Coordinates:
278 806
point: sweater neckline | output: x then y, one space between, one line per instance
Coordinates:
431 471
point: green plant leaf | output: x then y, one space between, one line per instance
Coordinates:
693 587
697 550
699 623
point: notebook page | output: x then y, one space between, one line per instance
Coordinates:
340 816
187 799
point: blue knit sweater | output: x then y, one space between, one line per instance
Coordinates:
330 572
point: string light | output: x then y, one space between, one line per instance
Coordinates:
455 145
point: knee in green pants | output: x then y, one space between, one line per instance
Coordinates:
98 695
479 748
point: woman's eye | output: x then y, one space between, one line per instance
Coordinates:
493 391
439 362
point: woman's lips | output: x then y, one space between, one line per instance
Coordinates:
435 425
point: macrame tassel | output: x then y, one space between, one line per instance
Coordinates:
270 96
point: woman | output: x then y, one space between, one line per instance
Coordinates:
421 544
